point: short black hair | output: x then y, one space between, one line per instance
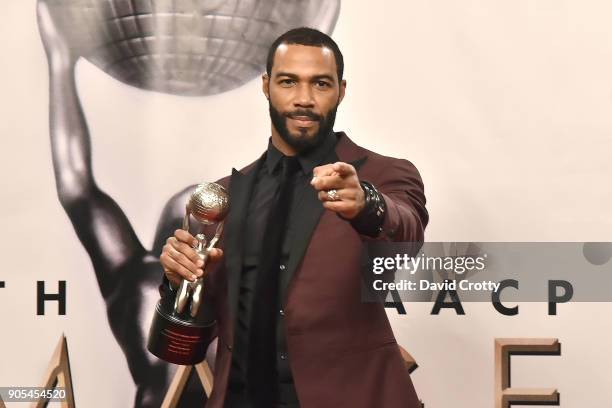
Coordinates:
306 36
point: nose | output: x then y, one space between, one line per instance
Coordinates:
304 96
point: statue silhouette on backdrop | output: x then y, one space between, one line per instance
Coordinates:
195 47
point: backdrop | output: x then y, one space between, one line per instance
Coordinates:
504 107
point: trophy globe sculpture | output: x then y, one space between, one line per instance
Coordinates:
184 47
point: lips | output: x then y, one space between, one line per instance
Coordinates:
303 119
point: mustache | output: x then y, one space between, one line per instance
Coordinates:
304 113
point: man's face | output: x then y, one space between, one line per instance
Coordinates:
303 93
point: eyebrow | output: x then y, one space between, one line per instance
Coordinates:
293 76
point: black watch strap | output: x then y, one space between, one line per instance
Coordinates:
372 217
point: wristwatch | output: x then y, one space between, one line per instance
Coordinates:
371 218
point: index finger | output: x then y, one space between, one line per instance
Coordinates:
344 169
322 171
186 237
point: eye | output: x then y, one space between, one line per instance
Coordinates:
322 84
287 82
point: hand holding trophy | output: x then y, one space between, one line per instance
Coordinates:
177 335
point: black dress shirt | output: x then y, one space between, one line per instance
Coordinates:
267 181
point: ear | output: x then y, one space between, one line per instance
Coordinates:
265 85
342 90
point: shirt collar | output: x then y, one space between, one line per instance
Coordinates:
308 160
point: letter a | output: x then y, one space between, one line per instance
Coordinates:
58 375
173 395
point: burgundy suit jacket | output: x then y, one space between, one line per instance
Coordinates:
342 351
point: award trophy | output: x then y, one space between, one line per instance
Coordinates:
178 334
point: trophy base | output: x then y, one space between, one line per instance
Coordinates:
175 340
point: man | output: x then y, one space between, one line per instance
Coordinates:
285 283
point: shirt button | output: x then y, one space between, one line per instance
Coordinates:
283 356
282 267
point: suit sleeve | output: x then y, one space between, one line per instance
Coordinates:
401 187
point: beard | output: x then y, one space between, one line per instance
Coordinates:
301 142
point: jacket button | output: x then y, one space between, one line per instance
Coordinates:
282 312
283 267
284 356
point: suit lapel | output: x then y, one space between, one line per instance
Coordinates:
240 189
310 212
